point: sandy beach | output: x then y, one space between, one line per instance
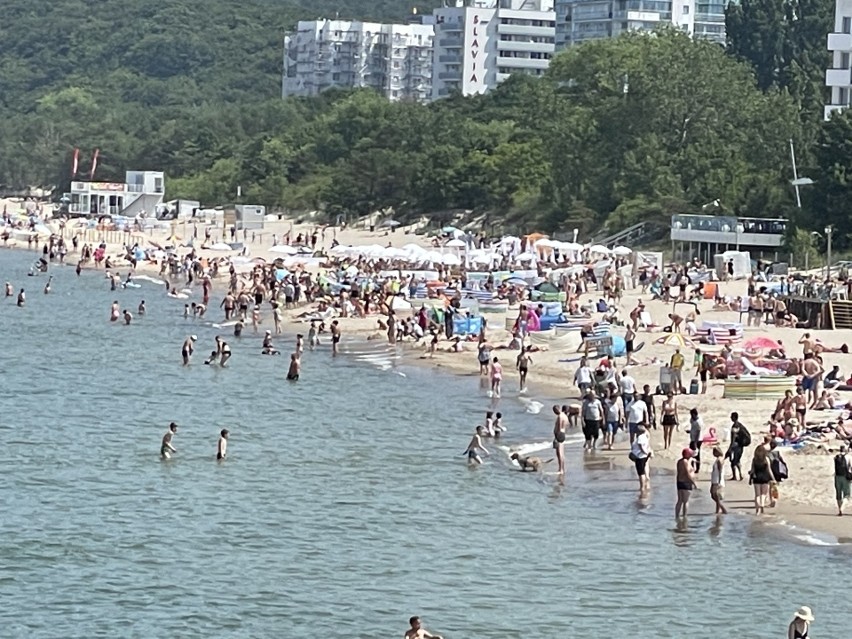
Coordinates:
806 498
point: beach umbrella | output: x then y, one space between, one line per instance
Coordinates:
525 257
481 258
340 250
621 251
451 260
413 248
449 229
570 246
220 246
678 340
456 243
516 281
546 243
286 249
599 249
390 223
760 344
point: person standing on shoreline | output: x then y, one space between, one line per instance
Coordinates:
640 454
559 428
523 366
496 377
740 440
593 415
335 338
685 481
717 481
842 476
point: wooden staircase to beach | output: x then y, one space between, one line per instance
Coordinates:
840 312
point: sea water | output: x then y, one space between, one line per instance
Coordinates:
345 505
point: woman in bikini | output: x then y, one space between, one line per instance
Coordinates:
784 407
669 418
800 403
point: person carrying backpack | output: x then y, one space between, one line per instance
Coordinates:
842 478
740 440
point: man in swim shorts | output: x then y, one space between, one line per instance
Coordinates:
335 338
188 347
295 367
685 481
474 447
560 425
166 448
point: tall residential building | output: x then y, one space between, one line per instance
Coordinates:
393 59
480 43
839 77
581 20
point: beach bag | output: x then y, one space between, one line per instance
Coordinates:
745 437
779 469
632 456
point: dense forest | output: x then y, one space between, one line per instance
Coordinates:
618 131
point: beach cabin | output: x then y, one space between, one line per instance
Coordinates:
245 216
141 191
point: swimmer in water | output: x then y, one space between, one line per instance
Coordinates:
295 368
534 464
166 448
222 447
417 630
79 268
475 446
186 311
268 347
114 312
47 285
9 290
188 347
238 328
300 344
141 309
22 298
211 361
127 317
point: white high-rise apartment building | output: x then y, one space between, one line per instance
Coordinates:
839 77
581 20
393 59
480 43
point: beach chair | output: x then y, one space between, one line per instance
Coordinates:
645 320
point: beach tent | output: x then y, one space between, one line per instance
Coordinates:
741 260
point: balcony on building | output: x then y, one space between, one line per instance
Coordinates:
733 231
526 30
840 41
529 47
838 77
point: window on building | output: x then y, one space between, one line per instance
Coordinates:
847 24
844 60
844 97
686 9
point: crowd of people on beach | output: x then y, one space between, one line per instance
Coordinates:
611 407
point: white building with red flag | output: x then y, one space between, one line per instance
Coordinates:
140 191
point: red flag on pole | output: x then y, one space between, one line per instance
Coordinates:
75 163
94 164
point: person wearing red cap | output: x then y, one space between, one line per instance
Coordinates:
685 479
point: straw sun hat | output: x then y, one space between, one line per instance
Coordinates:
804 613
